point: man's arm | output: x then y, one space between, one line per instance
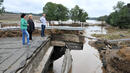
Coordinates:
41 20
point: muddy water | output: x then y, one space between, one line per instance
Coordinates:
86 60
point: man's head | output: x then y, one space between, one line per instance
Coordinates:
44 14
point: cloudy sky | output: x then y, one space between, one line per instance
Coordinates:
94 8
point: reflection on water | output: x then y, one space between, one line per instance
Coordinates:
86 60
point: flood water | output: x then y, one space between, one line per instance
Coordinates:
86 60
93 22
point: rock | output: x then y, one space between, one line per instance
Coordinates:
100 45
122 35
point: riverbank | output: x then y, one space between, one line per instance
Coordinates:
114 33
114 54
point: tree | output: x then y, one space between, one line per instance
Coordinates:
1 2
103 18
113 18
124 17
50 9
1 8
82 15
62 12
55 11
78 14
119 6
74 13
121 16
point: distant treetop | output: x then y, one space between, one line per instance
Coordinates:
58 12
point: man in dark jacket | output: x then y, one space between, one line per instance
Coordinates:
31 26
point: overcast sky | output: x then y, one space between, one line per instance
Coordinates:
94 8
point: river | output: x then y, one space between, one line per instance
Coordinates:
86 60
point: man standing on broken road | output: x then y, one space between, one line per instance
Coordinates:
43 25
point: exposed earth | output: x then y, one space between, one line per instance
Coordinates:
114 50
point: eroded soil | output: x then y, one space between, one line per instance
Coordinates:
115 56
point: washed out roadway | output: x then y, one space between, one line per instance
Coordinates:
13 55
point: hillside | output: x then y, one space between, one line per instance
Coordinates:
13 17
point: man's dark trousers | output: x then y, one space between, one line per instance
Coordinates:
43 30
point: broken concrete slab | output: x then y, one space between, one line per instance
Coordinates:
57 43
14 56
68 37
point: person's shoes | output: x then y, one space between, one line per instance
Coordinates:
28 45
31 41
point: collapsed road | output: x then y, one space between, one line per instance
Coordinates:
40 55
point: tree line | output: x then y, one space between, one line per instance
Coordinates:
57 12
120 17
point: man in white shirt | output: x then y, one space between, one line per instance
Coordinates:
43 25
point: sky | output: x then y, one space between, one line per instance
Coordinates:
94 8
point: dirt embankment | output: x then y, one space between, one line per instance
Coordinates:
37 32
84 24
72 25
115 56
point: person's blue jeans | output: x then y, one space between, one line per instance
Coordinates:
42 31
25 33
